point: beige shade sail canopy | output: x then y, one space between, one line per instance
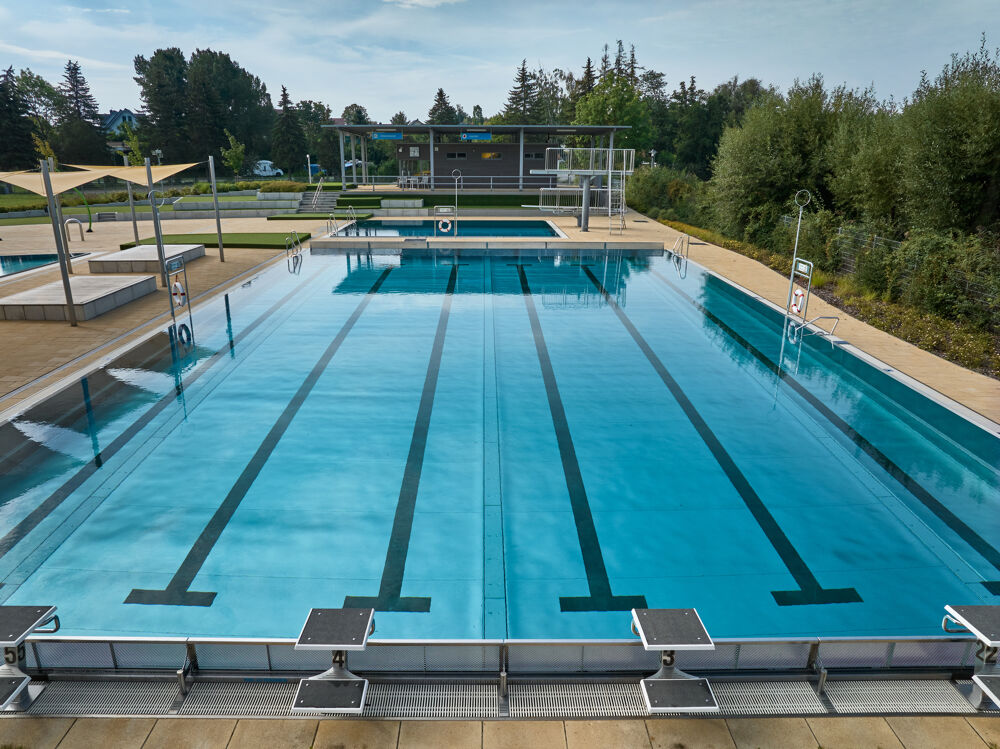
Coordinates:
137 174
61 181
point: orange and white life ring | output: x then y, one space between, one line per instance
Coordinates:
798 299
444 225
180 297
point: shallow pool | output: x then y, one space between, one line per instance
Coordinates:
454 228
11 264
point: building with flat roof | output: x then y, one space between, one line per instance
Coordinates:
487 156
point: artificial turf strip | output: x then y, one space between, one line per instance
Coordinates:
361 215
270 240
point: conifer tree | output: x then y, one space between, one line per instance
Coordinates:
441 111
78 102
588 79
79 137
15 125
521 100
288 141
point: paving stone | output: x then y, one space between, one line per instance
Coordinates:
108 733
518 734
190 733
36 733
935 732
433 734
617 734
273 734
689 733
357 734
772 733
853 733
987 728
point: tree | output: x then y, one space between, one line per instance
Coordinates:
288 142
588 79
44 102
235 155
477 115
441 111
398 119
614 101
521 104
355 114
162 81
134 153
15 125
79 137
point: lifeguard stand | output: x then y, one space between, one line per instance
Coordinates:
599 175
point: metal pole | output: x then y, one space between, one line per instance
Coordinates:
364 159
585 208
343 175
215 199
131 208
611 159
309 168
795 251
156 224
60 247
354 163
520 163
431 133
59 214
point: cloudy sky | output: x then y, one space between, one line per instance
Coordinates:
393 54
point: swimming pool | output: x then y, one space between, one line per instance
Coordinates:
459 228
11 264
510 446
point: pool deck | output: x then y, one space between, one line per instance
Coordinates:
671 733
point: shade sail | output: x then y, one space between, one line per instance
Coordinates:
137 174
61 181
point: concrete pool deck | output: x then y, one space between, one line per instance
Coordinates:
668 733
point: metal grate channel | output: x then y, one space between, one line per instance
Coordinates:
590 700
767 698
105 698
433 700
239 698
897 696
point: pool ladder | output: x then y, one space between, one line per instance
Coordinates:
293 252
797 305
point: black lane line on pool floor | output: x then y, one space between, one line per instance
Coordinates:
36 516
810 591
928 500
176 593
601 597
390 589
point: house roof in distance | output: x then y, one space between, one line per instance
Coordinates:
494 129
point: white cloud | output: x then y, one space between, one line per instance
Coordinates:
52 54
96 10
421 3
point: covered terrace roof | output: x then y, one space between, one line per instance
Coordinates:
494 129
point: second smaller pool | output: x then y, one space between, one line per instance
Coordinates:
11 264
459 228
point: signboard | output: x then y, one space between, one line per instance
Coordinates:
477 136
802 267
387 136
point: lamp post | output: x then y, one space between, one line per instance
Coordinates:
802 198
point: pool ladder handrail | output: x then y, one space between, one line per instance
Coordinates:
76 221
317 193
682 245
332 227
293 252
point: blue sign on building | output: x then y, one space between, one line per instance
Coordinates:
477 136
387 136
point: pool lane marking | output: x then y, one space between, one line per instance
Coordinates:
177 592
390 589
810 591
36 516
932 503
601 597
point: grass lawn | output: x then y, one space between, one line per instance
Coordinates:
23 221
265 240
222 198
314 216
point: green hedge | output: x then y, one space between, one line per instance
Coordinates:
254 241
358 202
361 215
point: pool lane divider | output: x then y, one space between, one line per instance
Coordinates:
390 596
922 494
177 592
810 591
601 597
54 500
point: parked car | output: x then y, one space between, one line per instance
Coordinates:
266 168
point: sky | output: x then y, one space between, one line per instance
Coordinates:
392 55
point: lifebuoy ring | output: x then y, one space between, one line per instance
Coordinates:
177 291
797 301
184 334
444 225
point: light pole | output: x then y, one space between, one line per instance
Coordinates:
802 198
159 156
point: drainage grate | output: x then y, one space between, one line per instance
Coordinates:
105 698
456 700
239 698
910 696
590 700
767 698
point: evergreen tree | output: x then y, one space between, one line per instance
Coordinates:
442 112
79 137
16 146
632 68
522 99
477 115
588 79
399 119
288 142
78 102
619 58
162 81
605 62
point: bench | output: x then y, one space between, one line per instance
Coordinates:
106 216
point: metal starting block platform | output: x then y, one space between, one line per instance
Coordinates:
336 690
671 690
16 624
984 623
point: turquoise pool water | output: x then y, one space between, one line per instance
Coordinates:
11 264
520 446
459 228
